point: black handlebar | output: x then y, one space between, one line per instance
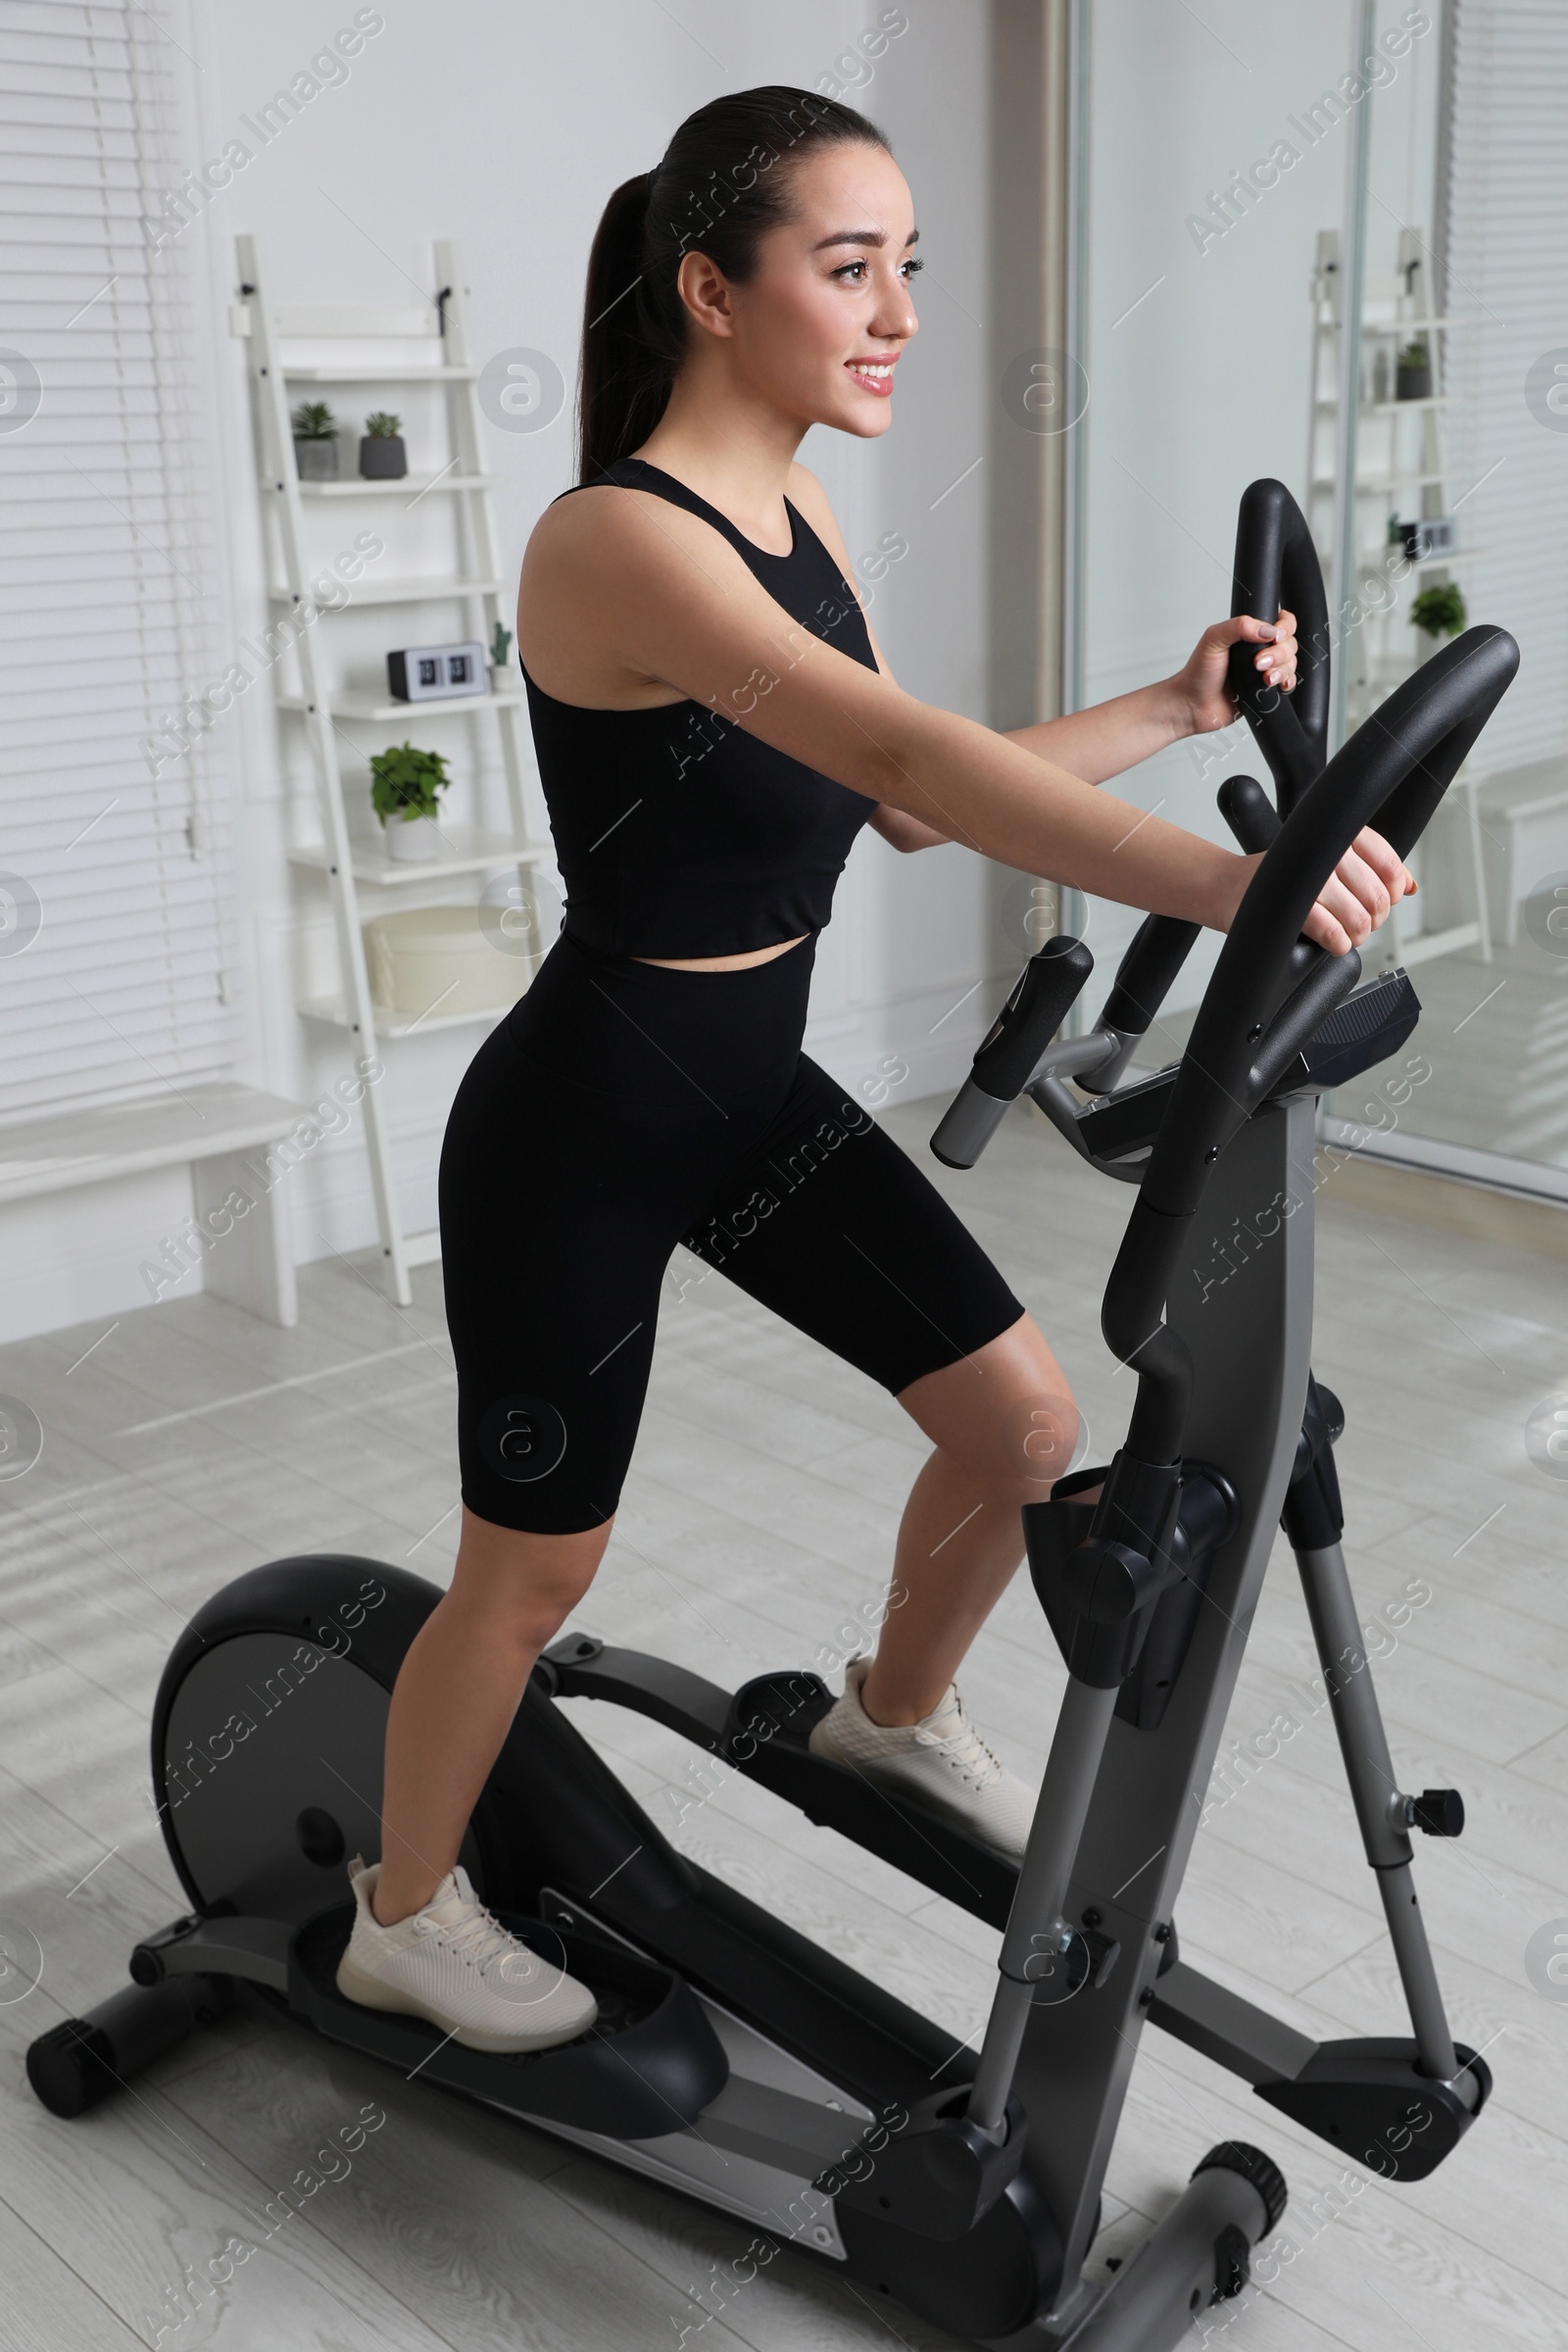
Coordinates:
1400 761
1277 564
1005 1059
1157 951
1249 812
1270 989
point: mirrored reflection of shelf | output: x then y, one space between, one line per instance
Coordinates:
422 591
1398 481
1388 408
1408 327
1459 555
464 849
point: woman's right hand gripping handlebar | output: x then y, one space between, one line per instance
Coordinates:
1354 901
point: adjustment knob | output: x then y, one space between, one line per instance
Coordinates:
1438 1811
1103 1953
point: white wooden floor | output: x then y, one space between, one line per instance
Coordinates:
192 1443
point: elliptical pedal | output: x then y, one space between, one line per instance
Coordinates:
650 2063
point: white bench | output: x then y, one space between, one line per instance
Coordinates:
224 1133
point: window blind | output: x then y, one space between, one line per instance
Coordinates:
117 917
1507 282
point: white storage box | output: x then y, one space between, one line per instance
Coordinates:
444 960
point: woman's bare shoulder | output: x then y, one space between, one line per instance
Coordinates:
607 537
593 561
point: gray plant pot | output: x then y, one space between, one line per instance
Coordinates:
316 460
383 457
1413 383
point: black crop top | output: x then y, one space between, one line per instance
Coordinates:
677 832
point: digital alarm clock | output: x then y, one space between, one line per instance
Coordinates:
431 673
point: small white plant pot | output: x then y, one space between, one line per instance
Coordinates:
503 679
413 840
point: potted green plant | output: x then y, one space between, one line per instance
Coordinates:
406 786
316 442
1412 378
382 455
503 678
1438 612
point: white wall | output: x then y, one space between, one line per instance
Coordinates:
505 126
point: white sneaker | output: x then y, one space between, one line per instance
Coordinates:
941 1759
454 1965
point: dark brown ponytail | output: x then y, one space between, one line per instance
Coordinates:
722 183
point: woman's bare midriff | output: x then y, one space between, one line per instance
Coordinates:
719 964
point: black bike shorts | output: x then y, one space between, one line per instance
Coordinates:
619 1110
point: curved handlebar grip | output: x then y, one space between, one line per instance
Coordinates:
1404 756
1407 755
1159 948
1277 564
1252 817
1005 1059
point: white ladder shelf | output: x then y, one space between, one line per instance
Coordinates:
1380 652
344 857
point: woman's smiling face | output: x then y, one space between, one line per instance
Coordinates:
818 327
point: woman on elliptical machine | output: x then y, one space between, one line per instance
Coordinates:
714 723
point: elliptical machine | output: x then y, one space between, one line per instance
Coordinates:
731 2058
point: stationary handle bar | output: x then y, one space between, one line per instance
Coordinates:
1277 564
1399 762
1006 1057
1249 812
1156 954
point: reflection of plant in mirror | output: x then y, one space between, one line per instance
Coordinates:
407 783
1439 612
382 427
314 420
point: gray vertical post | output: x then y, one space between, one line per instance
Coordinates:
1036 1932
1243 1303
1369 1769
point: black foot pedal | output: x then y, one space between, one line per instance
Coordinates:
767 1735
649 2064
